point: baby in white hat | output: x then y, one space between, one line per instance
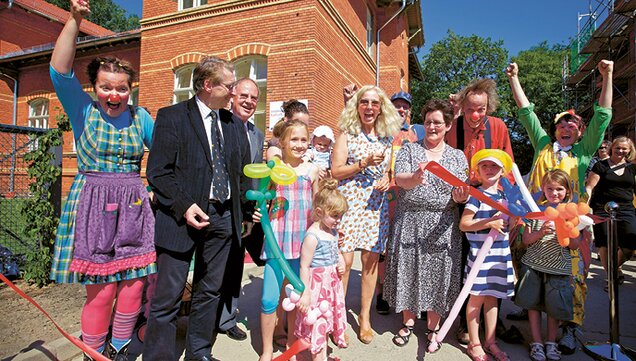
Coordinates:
322 140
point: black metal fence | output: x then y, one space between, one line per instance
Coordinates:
15 142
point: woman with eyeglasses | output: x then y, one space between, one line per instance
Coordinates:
424 253
613 179
360 161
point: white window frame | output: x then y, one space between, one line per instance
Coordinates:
254 62
189 91
38 117
195 3
370 26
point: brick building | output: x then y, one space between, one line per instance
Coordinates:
303 49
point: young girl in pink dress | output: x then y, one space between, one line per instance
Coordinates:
321 269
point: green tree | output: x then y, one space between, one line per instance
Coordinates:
105 13
453 62
540 74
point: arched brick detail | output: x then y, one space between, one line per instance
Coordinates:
187 58
39 94
248 49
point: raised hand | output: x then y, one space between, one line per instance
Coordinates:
512 70
80 7
349 91
605 67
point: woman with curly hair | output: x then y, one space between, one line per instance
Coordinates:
360 161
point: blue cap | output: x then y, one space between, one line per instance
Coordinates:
402 95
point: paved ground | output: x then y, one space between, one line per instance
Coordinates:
596 326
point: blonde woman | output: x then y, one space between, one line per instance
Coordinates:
360 161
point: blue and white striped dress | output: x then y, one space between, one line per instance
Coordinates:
496 275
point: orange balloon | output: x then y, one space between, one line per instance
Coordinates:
551 213
575 221
571 210
574 232
583 208
568 225
562 212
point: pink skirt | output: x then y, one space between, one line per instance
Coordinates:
325 285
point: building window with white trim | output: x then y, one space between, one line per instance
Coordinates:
370 31
255 68
187 4
183 89
38 116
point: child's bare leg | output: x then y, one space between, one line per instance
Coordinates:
553 327
534 318
472 317
268 322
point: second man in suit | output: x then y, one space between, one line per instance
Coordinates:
195 170
244 104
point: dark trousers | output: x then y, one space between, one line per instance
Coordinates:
231 288
212 250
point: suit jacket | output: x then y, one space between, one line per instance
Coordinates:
257 139
180 171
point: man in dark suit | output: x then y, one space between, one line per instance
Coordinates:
195 170
244 104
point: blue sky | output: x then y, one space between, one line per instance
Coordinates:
520 24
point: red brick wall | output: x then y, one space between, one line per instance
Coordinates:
313 49
21 30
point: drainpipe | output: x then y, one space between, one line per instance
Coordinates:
15 122
377 39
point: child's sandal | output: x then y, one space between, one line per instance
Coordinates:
402 340
498 355
474 357
433 345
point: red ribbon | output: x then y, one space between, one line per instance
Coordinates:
451 179
76 341
299 346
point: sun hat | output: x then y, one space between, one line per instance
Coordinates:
562 114
402 95
496 156
323 131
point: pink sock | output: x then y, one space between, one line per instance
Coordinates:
96 313
127 310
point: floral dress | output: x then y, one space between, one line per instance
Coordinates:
366 224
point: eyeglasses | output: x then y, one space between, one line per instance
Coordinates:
229 87
434 124
374 103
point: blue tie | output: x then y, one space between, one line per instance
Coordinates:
219 172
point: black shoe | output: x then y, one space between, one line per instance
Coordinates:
511 335
112 354
235 333
462 336
381 306
521 315
204 358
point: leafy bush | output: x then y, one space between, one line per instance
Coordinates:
40 218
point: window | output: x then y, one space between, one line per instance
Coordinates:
38 117
39 113
134 96
183 89
370 32
187 4
255 68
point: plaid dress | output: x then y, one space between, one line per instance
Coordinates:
100 148
290 216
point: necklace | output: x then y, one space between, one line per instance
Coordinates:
434 150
